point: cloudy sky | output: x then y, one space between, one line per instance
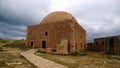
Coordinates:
100 18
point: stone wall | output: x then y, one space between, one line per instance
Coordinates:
80 37
90 46
56 32
104 44
62 48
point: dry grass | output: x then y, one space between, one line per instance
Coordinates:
17 44
91 60
1 49
10 55
4 40
11 58
57 59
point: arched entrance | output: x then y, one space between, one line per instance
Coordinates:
111 46
43 43
32 44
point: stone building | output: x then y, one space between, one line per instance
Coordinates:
90 46
108 44
57 32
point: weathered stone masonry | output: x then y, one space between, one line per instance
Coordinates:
109 44
53 30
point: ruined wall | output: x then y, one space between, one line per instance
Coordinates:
90 46
117 47
100 44
104 44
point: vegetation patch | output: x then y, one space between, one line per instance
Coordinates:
3 40
10 60
17 44
78 54
2 64
1 49
87 59
64 59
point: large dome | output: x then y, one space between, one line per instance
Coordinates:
57 16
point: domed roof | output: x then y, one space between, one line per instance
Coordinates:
56 17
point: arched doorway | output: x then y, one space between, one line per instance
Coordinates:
32 44
43 43
111 46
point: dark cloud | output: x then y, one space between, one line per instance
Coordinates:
16 15
11 31
22 12
100 18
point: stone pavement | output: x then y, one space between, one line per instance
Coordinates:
39 61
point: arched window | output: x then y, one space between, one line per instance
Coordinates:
46 33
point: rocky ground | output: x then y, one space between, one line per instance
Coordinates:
11 58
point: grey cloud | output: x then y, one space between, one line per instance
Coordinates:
16 15
11 31
100 18
23 12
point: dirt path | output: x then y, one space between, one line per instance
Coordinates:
39 61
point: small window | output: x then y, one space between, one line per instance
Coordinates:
102 42
96 43
46 33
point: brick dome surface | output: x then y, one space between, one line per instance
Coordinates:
56 17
